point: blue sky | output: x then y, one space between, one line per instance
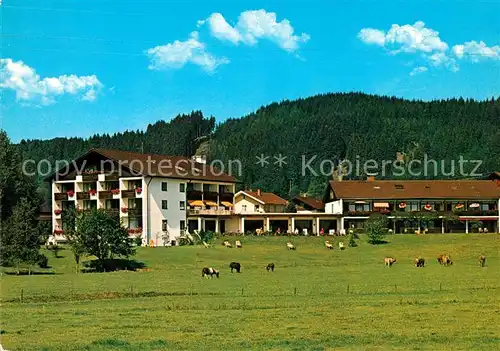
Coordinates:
76 68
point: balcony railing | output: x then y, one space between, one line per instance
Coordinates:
90 177
60 196
106 194
112 211
82 195
128 193
209 212
226 197
135 212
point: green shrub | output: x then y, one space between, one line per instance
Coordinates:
42 261
352 242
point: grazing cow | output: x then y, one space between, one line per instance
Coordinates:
482 260
290 246
270 267
445 260
209 272
341 245
235 266
238 244
227 244
389 261
419 262
328 245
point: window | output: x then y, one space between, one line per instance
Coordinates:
89 186
164 204
164 225
256 208
182 205
164 186
413 206
183 225
182 188
112 204
134 203
244 208
89 204
485 207
134 222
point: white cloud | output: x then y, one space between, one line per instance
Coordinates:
405 38
253 26
28 85
223 30
418 70
441 59
475 51
372 36
179 53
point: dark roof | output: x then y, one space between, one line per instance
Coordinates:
415 189
311 202
163 165
266 198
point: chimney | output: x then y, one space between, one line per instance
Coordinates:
370 179
200 159
258 192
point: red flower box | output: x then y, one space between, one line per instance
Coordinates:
70 193
402 205
124 209
115 191
134 230
427 207
92 192
459 206
138 190
58 231
57 212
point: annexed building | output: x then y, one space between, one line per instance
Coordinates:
154 195
266 211
306 204
432 205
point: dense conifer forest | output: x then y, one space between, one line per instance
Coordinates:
330 127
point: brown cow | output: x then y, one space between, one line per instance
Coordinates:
389 261
482 260
445 260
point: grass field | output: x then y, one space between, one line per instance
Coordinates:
315 300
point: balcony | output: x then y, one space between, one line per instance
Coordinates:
106 194
135 212
82 196
112 211
210 212
61 196
210 195
226 197
128 194
194 195
90 177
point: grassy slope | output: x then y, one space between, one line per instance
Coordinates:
398 308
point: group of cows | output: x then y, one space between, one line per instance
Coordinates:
209 272
443 260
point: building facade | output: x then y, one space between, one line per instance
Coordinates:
417 205
152 194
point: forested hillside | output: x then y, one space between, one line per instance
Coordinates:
332 126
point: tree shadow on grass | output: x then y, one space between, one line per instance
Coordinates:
111 265
379 242
26 272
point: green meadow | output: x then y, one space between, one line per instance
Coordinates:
317 299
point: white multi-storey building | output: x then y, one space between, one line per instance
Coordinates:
157 197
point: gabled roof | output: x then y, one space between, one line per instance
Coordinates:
264 198
415 189
162 165
311 202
